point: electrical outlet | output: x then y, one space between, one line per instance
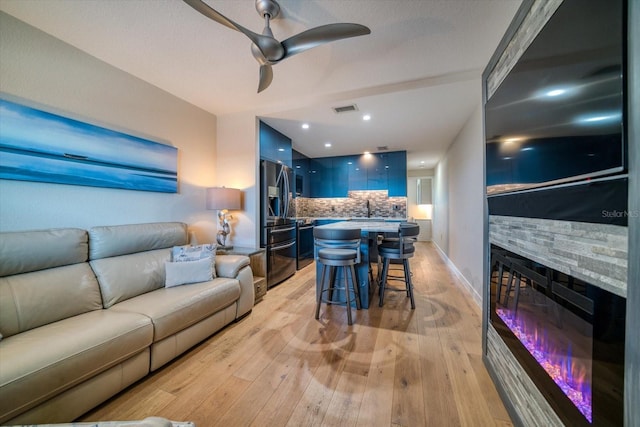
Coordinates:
396 207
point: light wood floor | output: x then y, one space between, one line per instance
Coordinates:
279 366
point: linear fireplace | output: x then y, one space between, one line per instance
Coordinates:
567 334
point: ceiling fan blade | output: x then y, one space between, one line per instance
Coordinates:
320 35
269 46
266 76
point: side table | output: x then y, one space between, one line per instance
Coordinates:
258 263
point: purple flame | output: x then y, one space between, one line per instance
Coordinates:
573 378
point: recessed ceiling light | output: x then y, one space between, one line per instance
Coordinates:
305 126
327 145
366 117
422 162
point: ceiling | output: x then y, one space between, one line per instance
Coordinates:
417 74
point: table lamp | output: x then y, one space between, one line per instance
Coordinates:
223 199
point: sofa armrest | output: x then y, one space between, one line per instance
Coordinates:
229 265
237 267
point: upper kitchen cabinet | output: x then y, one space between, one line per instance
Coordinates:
321 173
301 173
336 176
377 171
274 145
397 174
329 176
357 173
340 176
381 171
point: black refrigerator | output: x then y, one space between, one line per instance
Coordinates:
277 229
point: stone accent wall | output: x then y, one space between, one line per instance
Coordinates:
534 21
530 404
381 205
595 253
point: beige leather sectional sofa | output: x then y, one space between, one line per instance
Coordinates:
84 314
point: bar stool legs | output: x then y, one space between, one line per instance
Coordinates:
407 279
331 286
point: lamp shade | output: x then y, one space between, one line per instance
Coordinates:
219 198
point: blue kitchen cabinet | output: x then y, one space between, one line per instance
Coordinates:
336 176
377 167
397 174
274 146
302 178
340 176
321 177
357 173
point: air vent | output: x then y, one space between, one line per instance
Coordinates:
345 108
383 148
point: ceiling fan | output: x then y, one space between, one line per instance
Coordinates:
266 49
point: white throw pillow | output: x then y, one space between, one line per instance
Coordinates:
194 253
185 272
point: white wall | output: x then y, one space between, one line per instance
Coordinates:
47 73
237 167
458 206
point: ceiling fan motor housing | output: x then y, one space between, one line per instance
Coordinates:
268 7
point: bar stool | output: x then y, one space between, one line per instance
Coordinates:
338 248
400 249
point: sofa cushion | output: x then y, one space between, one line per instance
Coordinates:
126 276
109 241
173 309
26 251
30 300
76 349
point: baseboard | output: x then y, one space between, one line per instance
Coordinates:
467 286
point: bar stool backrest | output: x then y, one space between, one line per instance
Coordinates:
338 239
407 233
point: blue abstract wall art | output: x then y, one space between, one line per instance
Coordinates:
39 146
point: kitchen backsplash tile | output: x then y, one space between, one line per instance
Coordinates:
355 205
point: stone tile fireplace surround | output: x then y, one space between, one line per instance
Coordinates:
596 254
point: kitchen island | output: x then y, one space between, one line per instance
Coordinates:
369 231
